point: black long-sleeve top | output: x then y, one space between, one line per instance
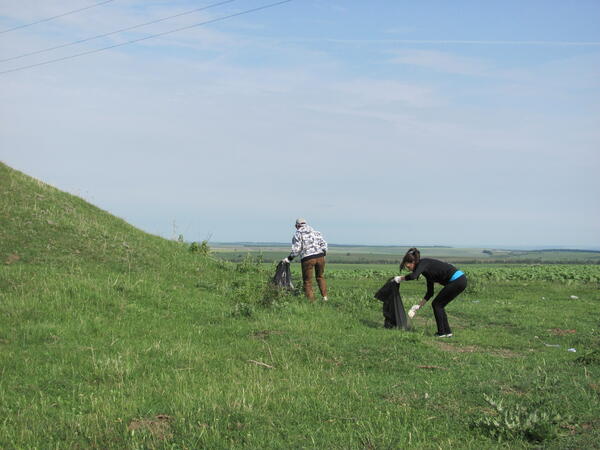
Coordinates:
434 271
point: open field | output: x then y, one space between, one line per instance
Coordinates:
112 338
362 254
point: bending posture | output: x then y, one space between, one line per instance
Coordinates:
312 248
434 271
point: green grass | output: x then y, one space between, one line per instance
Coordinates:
112 338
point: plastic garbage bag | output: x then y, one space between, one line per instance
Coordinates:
393 309
283 276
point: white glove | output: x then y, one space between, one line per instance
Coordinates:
285 260
413 310
398 279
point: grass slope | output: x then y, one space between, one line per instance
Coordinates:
112 338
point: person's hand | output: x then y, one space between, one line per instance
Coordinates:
398 279
285 260
413 310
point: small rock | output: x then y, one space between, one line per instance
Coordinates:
574 297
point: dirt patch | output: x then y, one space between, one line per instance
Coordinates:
336 361
512 391
591 425
582 427
453 348
561 332
159 426
404 399
12 259
432 367
502 352
263 334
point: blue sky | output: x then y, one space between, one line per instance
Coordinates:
459 123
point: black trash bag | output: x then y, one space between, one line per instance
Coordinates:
393 309
283 276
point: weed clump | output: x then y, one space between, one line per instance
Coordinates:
202 248
516 421
250 264
276 297
242 309
591 357
475 286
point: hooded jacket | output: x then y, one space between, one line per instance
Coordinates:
308 243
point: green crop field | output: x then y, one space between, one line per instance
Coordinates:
362 254
112 338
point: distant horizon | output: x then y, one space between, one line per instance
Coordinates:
491 247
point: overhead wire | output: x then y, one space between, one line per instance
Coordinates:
133 41
57 16
81 41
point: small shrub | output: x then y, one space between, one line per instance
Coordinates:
275 297
475 286
590 357
242 309
517 421
249 264
202 248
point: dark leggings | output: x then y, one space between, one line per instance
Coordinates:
446 295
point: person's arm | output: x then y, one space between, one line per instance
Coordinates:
322 244
429 292
411 276
413 310
296 246
415 273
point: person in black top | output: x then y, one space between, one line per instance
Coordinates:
434 271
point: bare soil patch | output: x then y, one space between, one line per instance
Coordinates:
561 332
13 258
263 334
458 349
158 426
502 352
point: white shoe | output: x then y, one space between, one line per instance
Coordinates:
443 335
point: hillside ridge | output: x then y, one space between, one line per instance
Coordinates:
40 224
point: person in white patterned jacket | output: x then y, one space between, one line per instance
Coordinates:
312 248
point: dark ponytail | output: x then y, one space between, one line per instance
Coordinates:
413 255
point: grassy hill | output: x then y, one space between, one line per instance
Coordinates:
42 225
113 338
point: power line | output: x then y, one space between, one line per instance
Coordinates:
56 17
115 32
218 19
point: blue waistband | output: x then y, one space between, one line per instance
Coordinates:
457 274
